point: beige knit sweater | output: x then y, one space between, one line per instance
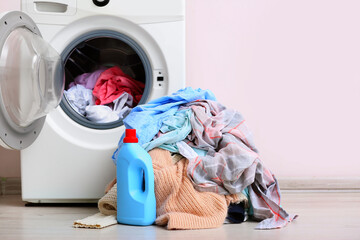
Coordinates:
178 204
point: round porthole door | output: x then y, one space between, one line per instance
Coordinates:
31 80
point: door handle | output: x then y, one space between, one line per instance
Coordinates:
54 6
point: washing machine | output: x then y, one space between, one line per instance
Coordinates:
64 156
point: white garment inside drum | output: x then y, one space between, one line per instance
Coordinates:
82 101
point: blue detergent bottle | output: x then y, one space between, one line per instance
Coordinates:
136 204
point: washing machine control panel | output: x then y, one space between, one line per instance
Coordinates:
101 3
160 78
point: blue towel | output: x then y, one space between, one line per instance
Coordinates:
147 119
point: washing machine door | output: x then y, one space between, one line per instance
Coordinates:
31 80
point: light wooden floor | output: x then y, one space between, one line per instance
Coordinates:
321 216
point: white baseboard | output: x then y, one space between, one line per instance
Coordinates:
12 186
323 183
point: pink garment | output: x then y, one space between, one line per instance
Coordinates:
112 83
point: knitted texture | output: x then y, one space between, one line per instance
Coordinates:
178 204
107 204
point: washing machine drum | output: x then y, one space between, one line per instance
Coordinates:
106 77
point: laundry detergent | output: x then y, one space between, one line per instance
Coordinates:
136 204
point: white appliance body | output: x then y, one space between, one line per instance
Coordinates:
70 162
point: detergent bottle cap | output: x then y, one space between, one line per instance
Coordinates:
130 136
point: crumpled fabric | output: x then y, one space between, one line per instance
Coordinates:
266 198
229 145
174 129
178 204
87 80
101 114
147 119
106 114
123 104
232 162
112 83
79 97
236 213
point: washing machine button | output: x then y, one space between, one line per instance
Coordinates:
101 3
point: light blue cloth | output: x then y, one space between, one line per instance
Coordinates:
147 119
174 129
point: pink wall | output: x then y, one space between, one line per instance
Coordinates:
290 67
9 5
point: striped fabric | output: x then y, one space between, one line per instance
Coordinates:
232 162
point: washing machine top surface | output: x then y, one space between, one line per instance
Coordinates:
63 12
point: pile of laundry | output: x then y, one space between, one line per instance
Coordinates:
105 95
207 170
218 152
